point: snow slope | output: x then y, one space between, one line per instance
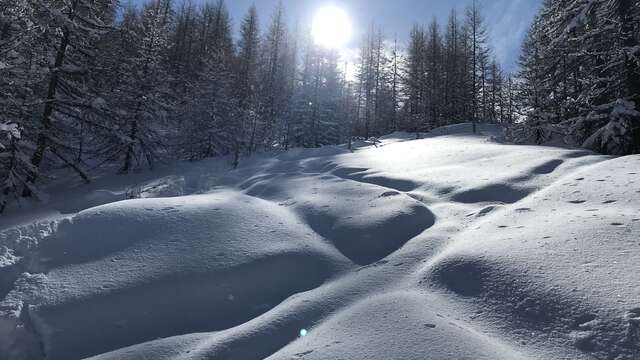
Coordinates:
452 246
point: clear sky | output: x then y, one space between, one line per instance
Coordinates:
507 20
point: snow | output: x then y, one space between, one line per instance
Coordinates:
451 246
10 129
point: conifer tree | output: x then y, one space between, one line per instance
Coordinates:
478 52
247 84
142 96
71 29
581 62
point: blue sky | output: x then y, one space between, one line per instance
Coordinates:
507 20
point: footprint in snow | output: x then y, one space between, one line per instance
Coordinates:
485 211
299 355
389 194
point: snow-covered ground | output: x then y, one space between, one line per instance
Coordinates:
450 247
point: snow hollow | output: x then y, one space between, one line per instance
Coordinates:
455 246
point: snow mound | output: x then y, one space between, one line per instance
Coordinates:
134 271
564 259
451 246
365 222
396 326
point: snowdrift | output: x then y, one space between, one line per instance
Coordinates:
451 246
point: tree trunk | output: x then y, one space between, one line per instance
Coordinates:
42 141
126 167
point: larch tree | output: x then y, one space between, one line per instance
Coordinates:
247 84
414 79
580 75
477 35
209 108
69 33
18 81
434 75
143 96
273 80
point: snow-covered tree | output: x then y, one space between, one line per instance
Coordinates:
273 77
15 165
62 49
18 81
142 94
247 84
455 92
476 33
581 61
210 108
434 75
414 80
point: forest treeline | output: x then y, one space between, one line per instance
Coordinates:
579 77
93 84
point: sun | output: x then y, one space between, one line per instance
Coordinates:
331 27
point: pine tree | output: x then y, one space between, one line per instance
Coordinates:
452 71
494 96
414 85
434 75
532 100
273 79
15 166
210 109
184 44
72 29
291 84
395 87
18 81
142 96
477 35
247 84
615 78
586 76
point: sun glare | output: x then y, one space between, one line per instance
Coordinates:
332 28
